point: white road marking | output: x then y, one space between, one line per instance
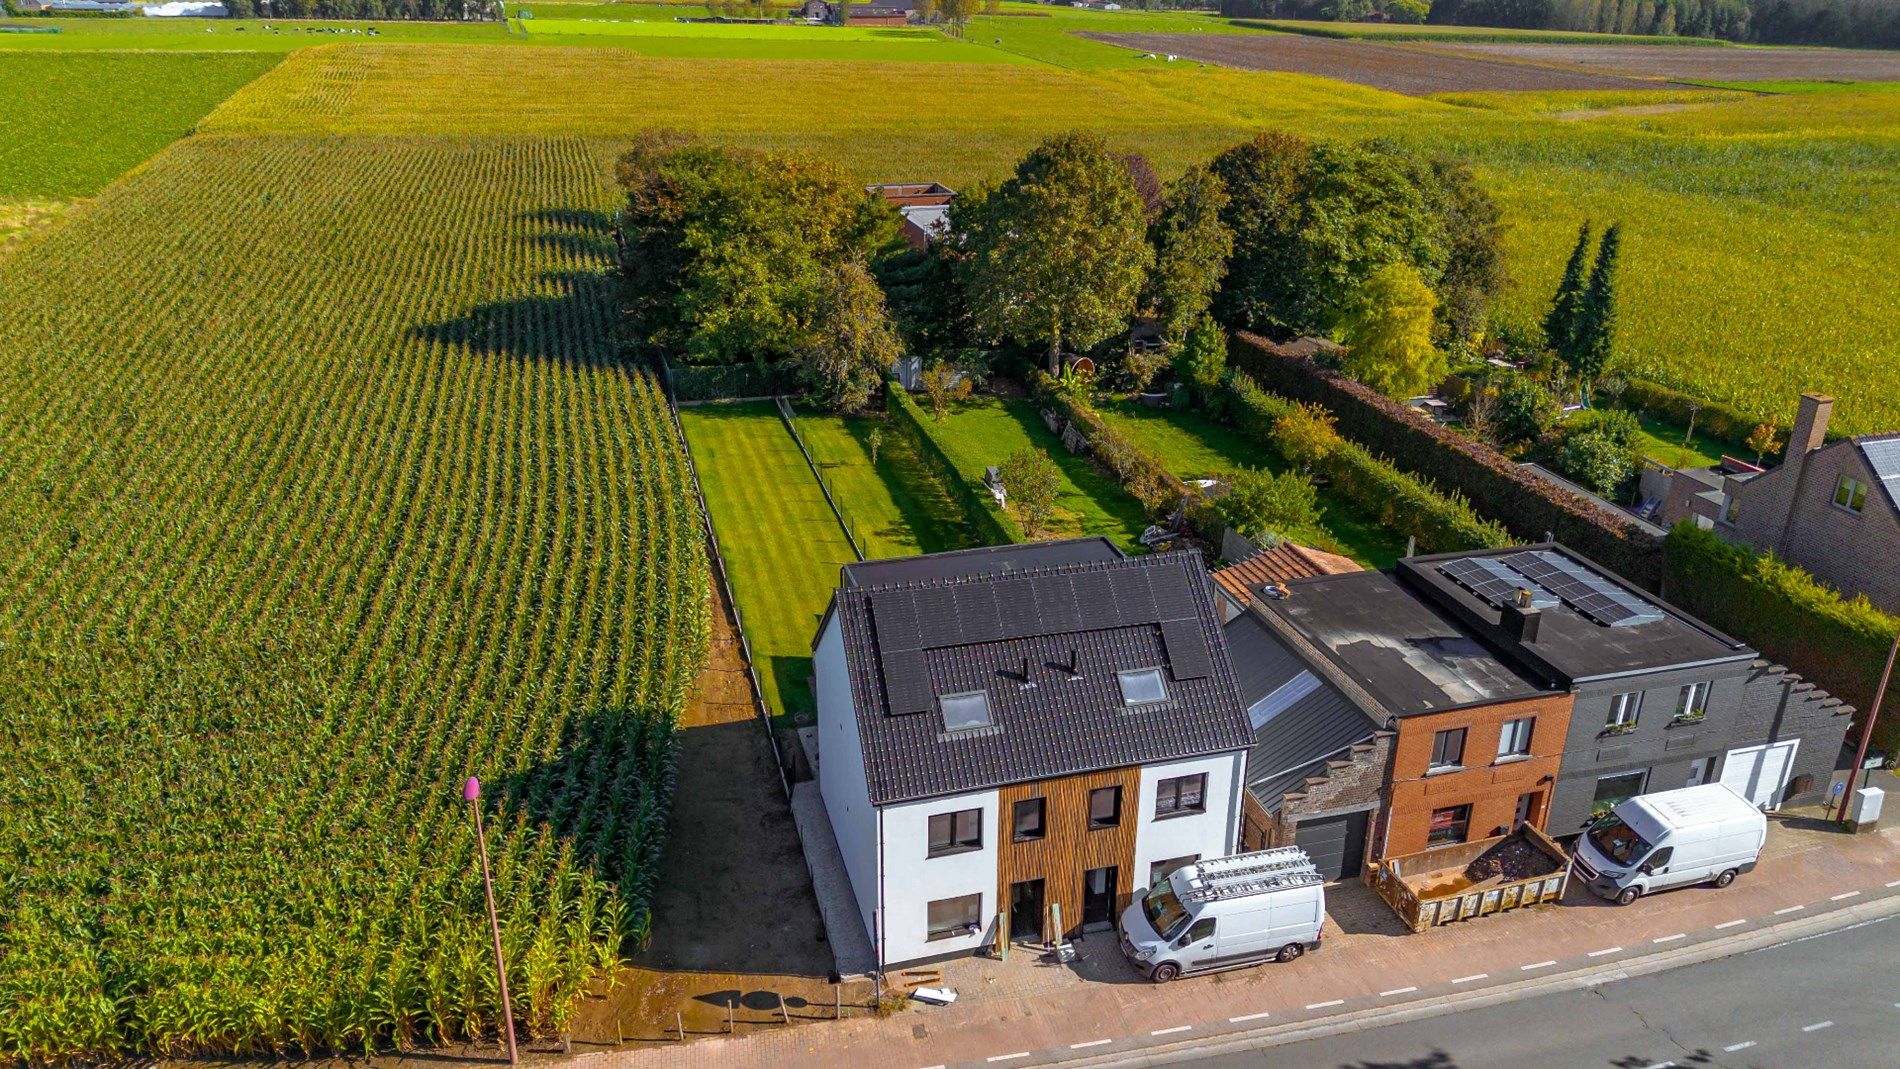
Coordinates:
1171 1031
1790 909
1007 1057
1249 1017
1817 1026
1660 1065
1323 1005
1733 1047
1730 924
1536 965
1468 979
1671 938
1605 950
1090 1043
1397 991
1843 896
1893 883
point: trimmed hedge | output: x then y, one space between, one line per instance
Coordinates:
1146 479
993 526
1527 505
1730 426
1439 522
1838 644
725 382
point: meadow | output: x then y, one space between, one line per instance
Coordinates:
324 488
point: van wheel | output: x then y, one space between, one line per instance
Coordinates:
1727 877
1164 972
1630 894
1289 952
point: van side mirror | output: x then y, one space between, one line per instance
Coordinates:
1181 942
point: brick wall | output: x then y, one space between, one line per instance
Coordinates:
1354 781
1856 553
1490 787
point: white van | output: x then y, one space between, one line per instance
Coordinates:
1705 834
1226 913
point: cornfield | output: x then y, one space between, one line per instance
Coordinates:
322 488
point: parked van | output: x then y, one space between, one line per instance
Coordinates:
1705 834
1226 913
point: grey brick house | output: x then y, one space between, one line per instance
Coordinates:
1662 700
1831 508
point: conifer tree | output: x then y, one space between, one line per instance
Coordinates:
1596 322
1560 325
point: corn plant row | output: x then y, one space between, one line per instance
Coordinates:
323 489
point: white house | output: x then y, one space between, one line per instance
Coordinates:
1012 735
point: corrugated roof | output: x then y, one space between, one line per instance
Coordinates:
1015 636
1296 738
1281 564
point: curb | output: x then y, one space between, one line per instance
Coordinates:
1235 1041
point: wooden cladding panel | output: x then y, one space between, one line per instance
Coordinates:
1069 847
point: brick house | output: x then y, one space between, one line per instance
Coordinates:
1831 508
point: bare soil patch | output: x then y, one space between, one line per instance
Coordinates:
1413 71
1697 64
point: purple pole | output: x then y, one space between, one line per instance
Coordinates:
472 792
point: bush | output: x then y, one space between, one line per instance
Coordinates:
1266 507
1031 483
1306 435
1202 358
730 382
1598 461
1837 643
1525 410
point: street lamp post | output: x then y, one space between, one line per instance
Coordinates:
1866 733
472 792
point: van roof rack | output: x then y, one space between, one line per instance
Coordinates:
1251 874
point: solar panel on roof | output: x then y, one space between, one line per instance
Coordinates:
906 681
895 620
1017 613
1186 645
1495 582
1884 458
1056 600
1590 594
1134 602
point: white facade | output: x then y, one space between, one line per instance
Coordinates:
841 771
1212 833
913 879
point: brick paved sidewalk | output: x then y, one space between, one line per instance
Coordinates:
1038 1013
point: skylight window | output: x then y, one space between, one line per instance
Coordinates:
1143 686
961 712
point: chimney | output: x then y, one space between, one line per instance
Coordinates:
1521 619
1810 426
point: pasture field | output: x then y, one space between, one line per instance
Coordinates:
1751 223
324 487
75 122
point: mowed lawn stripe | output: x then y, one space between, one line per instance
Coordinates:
782 543
894 508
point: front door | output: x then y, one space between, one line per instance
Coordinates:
1098 898
1025 910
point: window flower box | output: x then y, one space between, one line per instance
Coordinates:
1616 729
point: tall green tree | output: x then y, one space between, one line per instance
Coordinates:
1566 309
1266 179
1595 344
850 342
1389 334
1058 253
1191 247
1474 249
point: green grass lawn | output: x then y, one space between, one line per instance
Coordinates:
782 544
75 122
1048 34
1194 446
983 433
895 507
1663 442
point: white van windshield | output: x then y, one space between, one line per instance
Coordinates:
1164 911
1614 840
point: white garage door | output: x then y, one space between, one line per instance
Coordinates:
1760 772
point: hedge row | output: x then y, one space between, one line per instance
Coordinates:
1527 505
1439 522
1730 426
1783 612
1146 479
725 382
993 526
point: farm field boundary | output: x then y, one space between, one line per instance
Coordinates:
1696 64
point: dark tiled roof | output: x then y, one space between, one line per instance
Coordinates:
984 560
1283 563
1321 723
908 643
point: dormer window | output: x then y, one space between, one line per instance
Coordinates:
1143 686
961 712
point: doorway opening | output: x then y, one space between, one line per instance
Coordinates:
1098 899
1025 911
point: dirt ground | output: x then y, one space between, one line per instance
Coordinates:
1698 64
1400 69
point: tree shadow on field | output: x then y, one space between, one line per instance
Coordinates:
575 231
571 326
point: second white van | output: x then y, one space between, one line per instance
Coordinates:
1705 834
1226 913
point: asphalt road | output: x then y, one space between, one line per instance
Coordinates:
1821 1002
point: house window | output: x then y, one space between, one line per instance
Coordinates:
1515 739
964 711
1105 807
1181 796
1028 820
953 918
956 833
1161 870
1693 702
1449 825
1731 508
1850 493
1616 787
1448 748
1624 709
1142 687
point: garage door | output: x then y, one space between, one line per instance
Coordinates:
1759 773
1337 845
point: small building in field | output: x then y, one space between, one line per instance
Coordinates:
876 15
925 207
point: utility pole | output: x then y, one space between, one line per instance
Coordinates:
472 793
1873 717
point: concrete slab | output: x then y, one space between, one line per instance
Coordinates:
844 921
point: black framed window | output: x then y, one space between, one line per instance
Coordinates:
1105 807
1451 824
1515 739
952 918
1028 820
956 833
1448 748
1181 796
